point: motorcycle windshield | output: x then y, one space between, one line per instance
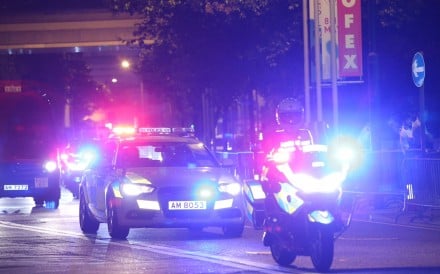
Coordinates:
314 162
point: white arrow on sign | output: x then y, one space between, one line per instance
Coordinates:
416 69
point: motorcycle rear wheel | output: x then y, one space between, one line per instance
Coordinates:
281 254
322 250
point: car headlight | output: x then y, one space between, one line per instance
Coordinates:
130 189
232 188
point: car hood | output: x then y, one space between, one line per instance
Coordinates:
177 176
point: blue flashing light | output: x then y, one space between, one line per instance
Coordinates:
205 191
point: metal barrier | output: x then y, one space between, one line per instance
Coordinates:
380 172
385 178
422 182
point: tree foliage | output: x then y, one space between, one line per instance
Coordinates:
234 46
230 47
63 76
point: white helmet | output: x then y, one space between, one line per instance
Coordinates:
290 111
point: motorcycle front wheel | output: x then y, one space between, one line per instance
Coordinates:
322 249
281 254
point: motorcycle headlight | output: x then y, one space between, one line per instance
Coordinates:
131 189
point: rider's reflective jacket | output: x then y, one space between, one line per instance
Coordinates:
291 138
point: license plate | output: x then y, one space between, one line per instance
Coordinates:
186 205
41 182
15 187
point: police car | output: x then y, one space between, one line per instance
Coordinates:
74 160
159 177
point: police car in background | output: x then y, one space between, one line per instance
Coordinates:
159 177
75 158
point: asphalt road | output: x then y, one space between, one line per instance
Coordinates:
40 240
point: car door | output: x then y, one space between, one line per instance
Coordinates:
97 178
104 175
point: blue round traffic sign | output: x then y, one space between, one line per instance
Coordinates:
418 69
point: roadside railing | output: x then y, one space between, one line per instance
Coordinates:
422 186
385 179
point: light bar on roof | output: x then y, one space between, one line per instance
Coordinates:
166 130
124 130
151 130
183 130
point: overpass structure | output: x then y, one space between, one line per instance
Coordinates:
98 34
70 30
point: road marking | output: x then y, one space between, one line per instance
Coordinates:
367 239
175 252
258 252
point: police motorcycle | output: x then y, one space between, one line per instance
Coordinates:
296 200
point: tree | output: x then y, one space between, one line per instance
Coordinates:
402 28
228 47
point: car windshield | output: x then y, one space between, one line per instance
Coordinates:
165 154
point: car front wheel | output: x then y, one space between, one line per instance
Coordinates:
233 231
115 230
87 223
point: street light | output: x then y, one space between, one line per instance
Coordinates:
125 64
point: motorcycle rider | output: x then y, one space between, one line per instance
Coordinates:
302 186
289 135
